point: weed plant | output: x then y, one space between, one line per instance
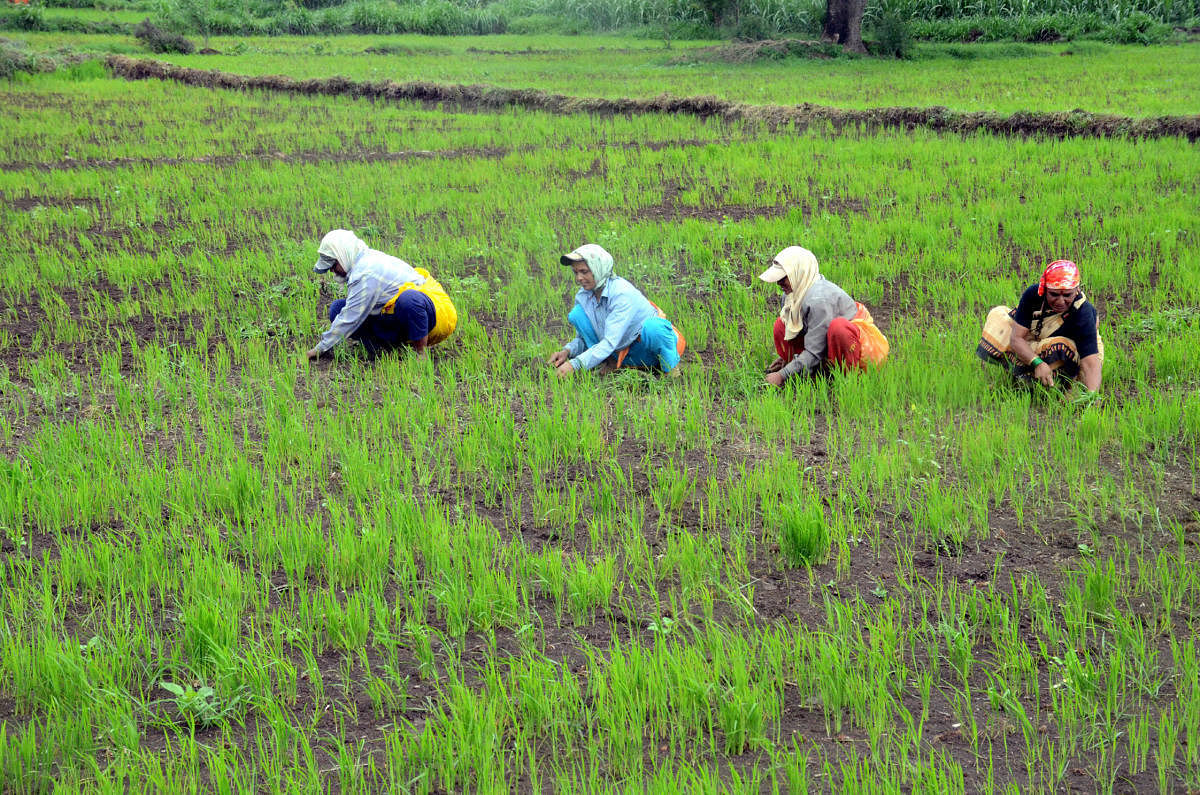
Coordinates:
221 565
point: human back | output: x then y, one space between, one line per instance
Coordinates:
387 272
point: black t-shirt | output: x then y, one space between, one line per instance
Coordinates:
1079 322
415 315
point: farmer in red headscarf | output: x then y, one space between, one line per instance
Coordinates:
1053 331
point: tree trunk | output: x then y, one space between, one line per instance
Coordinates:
843 23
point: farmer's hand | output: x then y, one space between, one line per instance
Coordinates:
558 358
776 365
313 355
1044 375
565 369
775 379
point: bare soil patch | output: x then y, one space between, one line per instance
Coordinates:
672 209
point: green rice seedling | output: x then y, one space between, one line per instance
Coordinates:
392 544
589 587
804 536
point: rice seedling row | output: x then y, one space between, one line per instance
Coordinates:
224 569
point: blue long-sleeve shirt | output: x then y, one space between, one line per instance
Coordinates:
617 316
374 280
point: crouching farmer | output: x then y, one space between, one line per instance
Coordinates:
388 305
1053 331
819 324
615 325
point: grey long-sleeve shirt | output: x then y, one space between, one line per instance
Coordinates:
822 303
374 279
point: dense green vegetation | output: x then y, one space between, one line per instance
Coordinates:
1124 21
1132 81
220 567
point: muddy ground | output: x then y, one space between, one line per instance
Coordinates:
777 595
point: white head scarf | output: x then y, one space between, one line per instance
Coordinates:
802 271
344 246
599 262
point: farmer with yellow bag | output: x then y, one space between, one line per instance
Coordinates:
388 302
819 324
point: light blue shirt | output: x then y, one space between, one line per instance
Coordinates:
617 316
374 280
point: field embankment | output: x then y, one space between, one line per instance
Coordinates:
1075 123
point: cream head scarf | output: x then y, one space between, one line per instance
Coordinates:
343 246
599 262
799 265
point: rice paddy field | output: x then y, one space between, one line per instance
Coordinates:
225 569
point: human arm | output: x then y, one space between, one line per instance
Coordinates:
1089 372
1087 342
621 315
559 358
817 318
575 347
358 305
1019 344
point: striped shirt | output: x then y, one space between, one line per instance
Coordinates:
374 280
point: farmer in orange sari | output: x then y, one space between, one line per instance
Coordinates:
819 325
1054 331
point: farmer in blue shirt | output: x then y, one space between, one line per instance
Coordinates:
615 325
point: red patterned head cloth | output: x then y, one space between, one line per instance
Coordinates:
1062 274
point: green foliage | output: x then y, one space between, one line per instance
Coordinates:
104 5
200 705
753 28
25 17
892 37
804 535
493 575
714 11
1137 28
16 57
34 18
538 23
1130 21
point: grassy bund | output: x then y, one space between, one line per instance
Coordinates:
222 569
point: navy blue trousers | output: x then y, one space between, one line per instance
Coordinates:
378 333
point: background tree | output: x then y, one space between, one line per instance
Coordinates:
715 11
843 23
